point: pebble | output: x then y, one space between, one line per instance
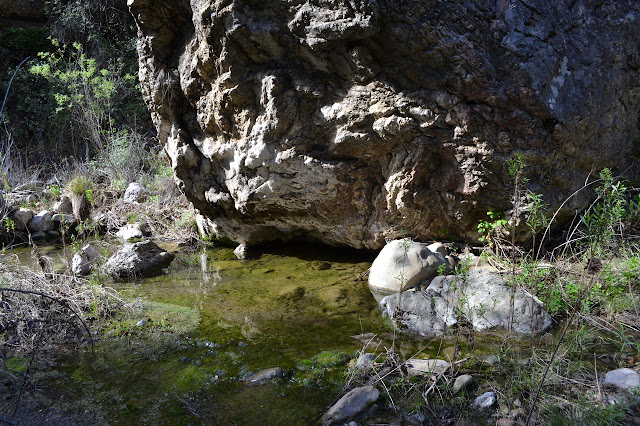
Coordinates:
267 374
141 323
462 382
484 401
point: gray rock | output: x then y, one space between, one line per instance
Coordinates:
141 259
266 375
21 218
353 403
623 379
462 382
132 231
63 218
80 265
82 262
141 323
426 367
485 401
41 222
416 419
135 193
483 299
63 206
349 122
402 264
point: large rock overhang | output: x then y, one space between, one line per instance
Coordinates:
350 122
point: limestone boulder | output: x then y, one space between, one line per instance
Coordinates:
404 263
141 259
135 193
481 299
351 122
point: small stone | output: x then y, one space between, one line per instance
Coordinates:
267 374
505 422
80 264
485 401
462 382
624 379
426 367
141 323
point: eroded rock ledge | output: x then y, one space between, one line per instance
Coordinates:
349 121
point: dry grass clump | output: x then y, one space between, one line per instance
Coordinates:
39 310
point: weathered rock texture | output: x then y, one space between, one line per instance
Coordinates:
347 121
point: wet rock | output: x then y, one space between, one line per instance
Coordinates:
63 206
135 193
482 299
352 404
462 382
402 264
426 367
623 379
132 231
266 375
21 218
485 401
141 259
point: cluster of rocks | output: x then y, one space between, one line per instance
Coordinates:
619 386
408 279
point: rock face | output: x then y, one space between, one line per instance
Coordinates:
482 299
348 122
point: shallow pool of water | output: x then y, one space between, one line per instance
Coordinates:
212 321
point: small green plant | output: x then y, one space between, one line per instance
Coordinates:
489 228
55 192
79 185
8 224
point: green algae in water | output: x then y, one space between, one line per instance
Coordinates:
230 319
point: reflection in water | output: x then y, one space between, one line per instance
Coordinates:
207 276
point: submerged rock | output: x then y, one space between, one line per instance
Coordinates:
481 299
267 374
352 404
141 259
404 263
349 122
